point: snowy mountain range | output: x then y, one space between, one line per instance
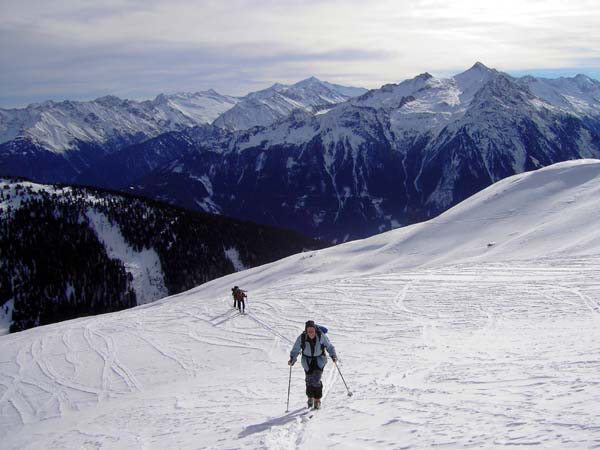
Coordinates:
68 252
340 170
477 329
390 157
56 141
59 126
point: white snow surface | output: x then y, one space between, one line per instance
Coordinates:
144 266
478 329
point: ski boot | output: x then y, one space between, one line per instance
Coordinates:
310 402
317 404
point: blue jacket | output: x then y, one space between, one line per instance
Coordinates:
321 341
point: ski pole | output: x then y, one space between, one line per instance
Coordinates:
338 368
287 409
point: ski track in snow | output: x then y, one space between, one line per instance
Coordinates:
469 355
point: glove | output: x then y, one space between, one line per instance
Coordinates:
334 359
291 362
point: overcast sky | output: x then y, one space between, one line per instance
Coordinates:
82 49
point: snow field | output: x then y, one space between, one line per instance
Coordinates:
484 355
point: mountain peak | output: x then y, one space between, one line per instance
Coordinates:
210 92
311 79
584 79
161 98
424 76
476 70
275 87
308 82
474 78
480 66
109 100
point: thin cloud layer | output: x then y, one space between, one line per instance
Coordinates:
136 49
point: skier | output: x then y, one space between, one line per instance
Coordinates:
239 296
233 294
312 343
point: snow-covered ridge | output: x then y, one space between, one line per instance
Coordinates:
427 104
423 105
265 107
579 94
480 328
57 126
419 104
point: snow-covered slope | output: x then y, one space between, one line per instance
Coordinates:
265 107
478 329
57 126
201 107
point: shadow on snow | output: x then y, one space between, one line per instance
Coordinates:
290 417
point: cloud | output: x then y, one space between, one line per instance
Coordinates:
140 48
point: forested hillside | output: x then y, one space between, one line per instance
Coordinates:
66 252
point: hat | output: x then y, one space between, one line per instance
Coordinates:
310 324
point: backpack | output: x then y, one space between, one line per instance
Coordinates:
320 331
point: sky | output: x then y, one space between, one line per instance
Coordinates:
83 49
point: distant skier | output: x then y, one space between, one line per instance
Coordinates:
312 343
239 296
233 294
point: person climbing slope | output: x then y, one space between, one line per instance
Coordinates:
313 343
239 296
233 294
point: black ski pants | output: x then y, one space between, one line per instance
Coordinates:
314 385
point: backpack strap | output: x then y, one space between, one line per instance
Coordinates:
303 343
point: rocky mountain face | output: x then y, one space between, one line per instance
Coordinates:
67 252
387 158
